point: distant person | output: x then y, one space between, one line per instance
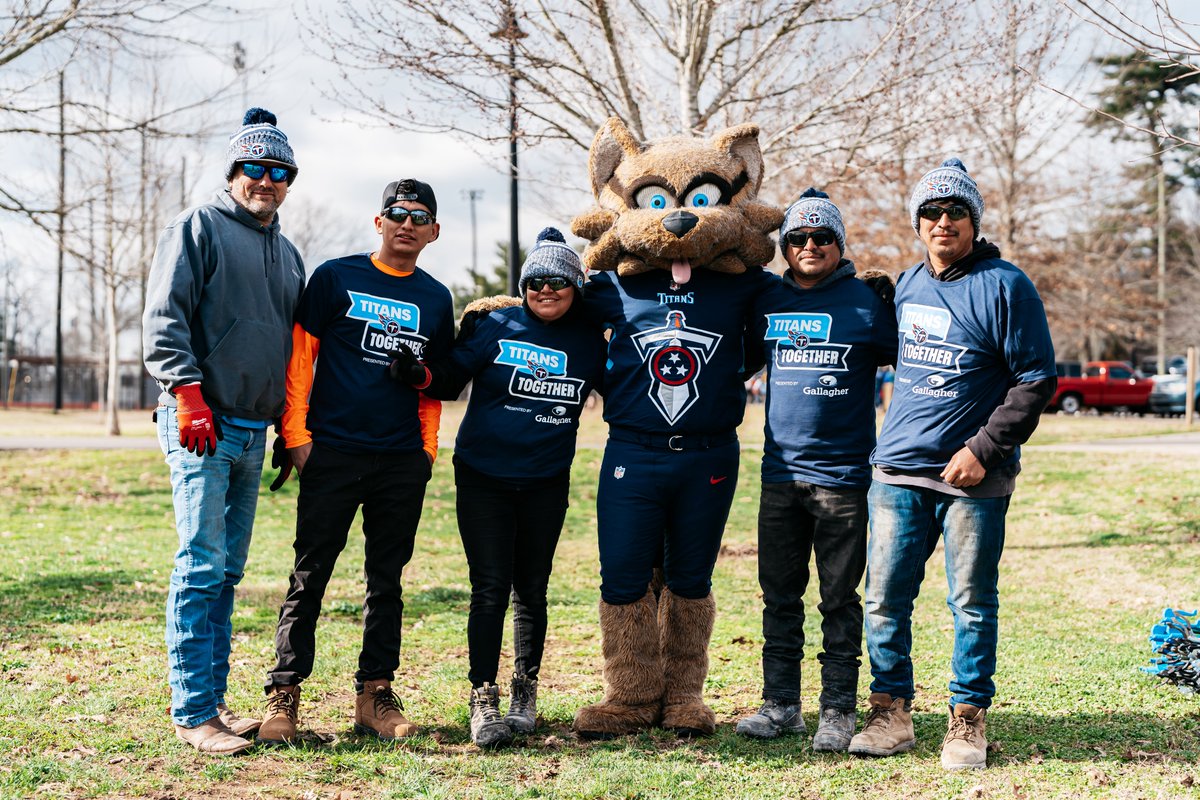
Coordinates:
975 371
825 333
532 366
222 290
360 441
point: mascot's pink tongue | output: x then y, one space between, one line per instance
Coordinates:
681 271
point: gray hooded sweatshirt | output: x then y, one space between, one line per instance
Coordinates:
219 305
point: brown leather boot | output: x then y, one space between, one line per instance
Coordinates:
632 672
283 713
379 712
241 726
213 738
685 628
965 745
888 729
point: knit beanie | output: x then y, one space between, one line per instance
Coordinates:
813 210
551 257
259 140
950 181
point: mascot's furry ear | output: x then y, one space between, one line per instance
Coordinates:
612 144
741 142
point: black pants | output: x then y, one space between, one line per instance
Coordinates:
390 488
509 531
794 520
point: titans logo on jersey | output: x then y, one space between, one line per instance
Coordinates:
924 346
388 323
674 355
802 342
539 373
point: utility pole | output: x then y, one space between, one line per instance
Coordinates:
472 196
62 239
1162 266
510 31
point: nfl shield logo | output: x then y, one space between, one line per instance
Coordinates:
619 473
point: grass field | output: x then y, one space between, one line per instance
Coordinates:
1098 544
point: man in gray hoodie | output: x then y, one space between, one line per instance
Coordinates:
217 332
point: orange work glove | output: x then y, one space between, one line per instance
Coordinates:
199 430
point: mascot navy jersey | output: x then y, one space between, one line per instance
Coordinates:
822 347
958 358
359 313
675 354
531 380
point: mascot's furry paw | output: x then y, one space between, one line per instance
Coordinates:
478 309
677 204
632 672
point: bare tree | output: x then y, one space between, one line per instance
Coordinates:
1164 37
663 66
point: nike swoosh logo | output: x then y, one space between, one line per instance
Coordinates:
715 481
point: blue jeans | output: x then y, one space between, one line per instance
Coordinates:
215 498
906 523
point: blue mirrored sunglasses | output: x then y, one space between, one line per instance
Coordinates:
255 172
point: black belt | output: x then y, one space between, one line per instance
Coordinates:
678 442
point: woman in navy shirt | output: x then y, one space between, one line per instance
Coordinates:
533 366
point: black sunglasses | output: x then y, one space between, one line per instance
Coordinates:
398 215
555 283
800 238
255 172
933 213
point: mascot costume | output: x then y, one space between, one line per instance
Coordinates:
678 239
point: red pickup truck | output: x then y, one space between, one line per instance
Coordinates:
1101 385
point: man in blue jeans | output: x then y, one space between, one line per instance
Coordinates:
217 333
974 372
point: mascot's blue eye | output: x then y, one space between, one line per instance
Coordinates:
655 197
703 196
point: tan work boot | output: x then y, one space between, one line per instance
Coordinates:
283 713
213 738
241 726
965 746
378 712
888 729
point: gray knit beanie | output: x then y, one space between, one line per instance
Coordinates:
950 181
813 210
551 257
259 140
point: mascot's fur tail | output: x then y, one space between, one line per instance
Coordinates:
633 673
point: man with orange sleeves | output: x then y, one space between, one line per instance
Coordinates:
360 439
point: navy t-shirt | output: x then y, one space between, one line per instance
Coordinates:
359 312
531 379
822 347
963 344
675 355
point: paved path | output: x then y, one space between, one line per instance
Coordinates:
1182 444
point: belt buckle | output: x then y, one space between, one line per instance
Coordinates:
671 445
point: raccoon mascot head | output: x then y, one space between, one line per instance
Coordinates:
677 204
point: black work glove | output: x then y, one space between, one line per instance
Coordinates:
281 459
405 367
882 284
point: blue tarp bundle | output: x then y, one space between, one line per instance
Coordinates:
1176 641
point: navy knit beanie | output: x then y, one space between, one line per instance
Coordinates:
259 140
950 181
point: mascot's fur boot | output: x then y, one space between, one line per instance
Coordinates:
685 628
633 674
